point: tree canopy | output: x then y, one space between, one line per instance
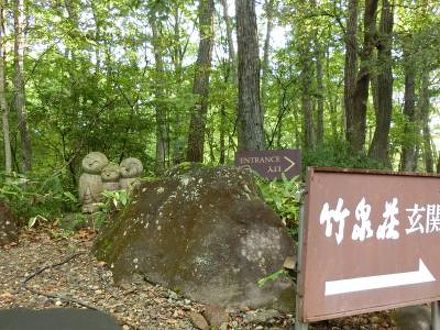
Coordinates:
352 83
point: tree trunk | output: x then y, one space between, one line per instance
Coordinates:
320 94
231 49
270 8
251 123
306 96
3 103
424 108
408 157
350 67
159 95
357 115
197 127
178 50
379 145
19 88
305 46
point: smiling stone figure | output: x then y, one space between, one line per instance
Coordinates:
90 182
131 169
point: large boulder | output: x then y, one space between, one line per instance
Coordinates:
8 225
206 233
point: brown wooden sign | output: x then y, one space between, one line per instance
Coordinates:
370 242
271 164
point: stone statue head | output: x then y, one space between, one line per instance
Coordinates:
94 162
110 173
131 168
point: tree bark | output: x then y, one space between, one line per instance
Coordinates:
305 41
357 115
19 88
3 103
424 108
306 96
379 145
320 94
231 48
197 127
251 123
270 8
159 94
408 157
350 67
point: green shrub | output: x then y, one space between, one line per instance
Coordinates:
112 201
284 196
36 197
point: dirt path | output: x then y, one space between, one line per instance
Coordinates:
84 281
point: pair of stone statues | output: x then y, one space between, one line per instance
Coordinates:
100 175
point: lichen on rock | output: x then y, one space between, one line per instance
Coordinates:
205 232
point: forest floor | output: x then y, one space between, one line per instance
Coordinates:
48 268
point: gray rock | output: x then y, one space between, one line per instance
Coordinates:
205 233
413 318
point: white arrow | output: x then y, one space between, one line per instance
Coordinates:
292 164
423 275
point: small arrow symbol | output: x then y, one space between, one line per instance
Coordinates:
422 275
292 164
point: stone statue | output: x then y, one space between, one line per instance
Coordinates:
110 177
90 182
131 169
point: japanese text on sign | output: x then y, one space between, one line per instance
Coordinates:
423 219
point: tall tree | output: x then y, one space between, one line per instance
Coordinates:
424 108
250 116
380 142
19 82
159 94
230 77
3 102
350 67
408 156
196 137
356 113
320 92
270 8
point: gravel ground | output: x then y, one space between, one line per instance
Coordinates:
84 281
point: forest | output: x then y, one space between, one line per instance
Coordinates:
351 83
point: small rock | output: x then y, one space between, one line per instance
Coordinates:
125 327
261 316
290 263
58 303
172 295
215 315
199 321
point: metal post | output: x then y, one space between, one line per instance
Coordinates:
435 315
298 324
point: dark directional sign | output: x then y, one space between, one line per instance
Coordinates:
271 164
370 242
